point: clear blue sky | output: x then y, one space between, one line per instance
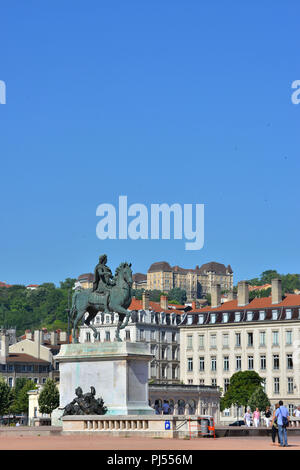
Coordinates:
162 101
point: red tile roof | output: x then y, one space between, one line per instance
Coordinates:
20 357
155 306
291 300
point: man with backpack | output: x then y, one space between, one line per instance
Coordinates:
282 416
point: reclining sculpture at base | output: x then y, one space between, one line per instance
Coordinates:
85 404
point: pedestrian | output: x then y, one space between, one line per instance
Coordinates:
274 426
247 418
268 416
297 412
256 417
166 408
283 417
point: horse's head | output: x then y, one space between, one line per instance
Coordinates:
124 271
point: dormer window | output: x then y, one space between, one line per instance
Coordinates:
213 318
190 319
200 319
262 315
249 316
288 314
274 314
237 316
225 317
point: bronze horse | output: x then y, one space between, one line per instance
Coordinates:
119 300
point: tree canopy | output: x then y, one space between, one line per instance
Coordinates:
242 386
33 309
49 397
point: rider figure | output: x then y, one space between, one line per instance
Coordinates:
103 281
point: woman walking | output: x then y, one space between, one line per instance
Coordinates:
275 427
256 417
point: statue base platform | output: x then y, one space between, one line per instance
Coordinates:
118 371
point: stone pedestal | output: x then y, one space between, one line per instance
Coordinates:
118 371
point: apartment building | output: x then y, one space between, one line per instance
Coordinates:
262 335
156 324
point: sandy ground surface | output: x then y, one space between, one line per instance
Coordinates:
139 443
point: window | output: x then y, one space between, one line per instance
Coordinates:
10 381
250 339
213 382
127 335
226 412
226 385
288 314
174 372
276 361
164 353
190 381
263 363
289 337
174 337
262 315
200 319
226 363
289 359
163 336
274 314
201 364
190 364
290 385
142 335
250 362
237 316
107 336
238 339
276 385
174 354
262 338
88 337
225 317
153 369
249 316
213 363
225 340
201 341
275 335
201 381
189 342
107 319
164 371
213 318
190 319
238 362
213 341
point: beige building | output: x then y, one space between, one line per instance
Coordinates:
196 282
262 335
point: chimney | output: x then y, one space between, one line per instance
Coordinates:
276 291
216 296
243 293
194 305
230 295
38 341
53 338
164 302
4 351
145 300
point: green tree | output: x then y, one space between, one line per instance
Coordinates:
6 397
178 295
21 400
49 397
242 386
258 399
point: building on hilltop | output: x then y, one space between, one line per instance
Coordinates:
196 282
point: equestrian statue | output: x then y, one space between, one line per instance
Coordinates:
110 294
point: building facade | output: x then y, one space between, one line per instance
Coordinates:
263 336
196 282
